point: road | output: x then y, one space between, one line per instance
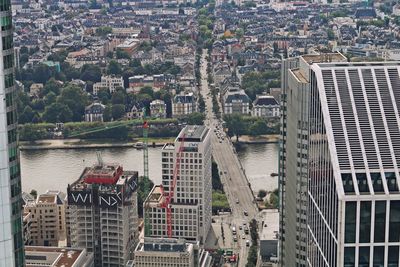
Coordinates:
235 182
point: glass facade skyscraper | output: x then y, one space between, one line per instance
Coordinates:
11 241
340 185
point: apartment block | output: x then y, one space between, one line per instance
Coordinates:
191 202
111 83
47 219
102 210
340 194
58 257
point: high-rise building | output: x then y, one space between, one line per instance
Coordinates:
102 213
11 241
341 152
191 203
47 213
159 252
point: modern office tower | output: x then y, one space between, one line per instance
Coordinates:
159 252
191 203
11 241
47 219
342 156
102 210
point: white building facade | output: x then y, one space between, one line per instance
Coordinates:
191 204
109 82
349 157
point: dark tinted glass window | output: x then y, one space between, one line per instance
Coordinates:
377 182
348 185
350 223
393 256
349 257
363 257
380 221
365 221
362 183
394 221
391 182
379 258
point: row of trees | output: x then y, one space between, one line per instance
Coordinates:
241 125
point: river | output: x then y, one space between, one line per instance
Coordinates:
54 169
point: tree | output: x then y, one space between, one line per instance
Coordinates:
147 90
202 104
42 73
107 113
57 112
104 95
262 193
114 68
51 85
118 111
196 118
33 193
75 99
236 125
90 72
103 31
331 34
50 98
259 127
216 179
26 116
118 97
122 54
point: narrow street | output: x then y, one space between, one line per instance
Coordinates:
235 182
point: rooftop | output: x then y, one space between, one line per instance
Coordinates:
164 245
270 228
193 133
324 57
52 256
44 198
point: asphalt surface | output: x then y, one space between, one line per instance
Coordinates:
236 186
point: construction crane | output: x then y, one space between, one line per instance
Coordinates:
145 170
169 197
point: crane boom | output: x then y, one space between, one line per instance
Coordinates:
170 196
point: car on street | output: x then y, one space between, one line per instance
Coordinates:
234 238
245 213
247 243
243 237
240 227
237 201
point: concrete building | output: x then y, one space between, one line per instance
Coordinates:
47 219
108 82
94 112
171 252
269 238
341 161
265 106
102 208
191 202
58 257
11 239
158 109
184 104
236 102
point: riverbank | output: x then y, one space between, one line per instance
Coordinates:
260 139
84 143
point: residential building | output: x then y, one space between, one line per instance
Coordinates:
58 257
94 112
158 109
191 202
265 106
110 82
11 239
171 252
341 159
184 104
236 101
156 82
47 219
129 46
102 209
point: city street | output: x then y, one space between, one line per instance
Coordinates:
232 173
